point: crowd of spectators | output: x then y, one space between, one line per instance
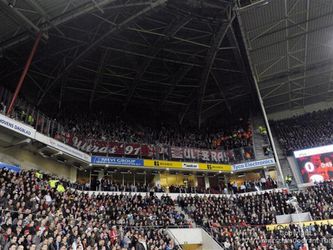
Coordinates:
113 129
36 216
305 131
318 237
116 130
107 184
239 222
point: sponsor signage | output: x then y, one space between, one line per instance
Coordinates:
190 165
253 164
17 126
162 164
68 149
215 167
313 151
116 161
14 168
62 147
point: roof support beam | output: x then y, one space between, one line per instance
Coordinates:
98 78
16 15
221 92
176 79
240 58
98 41
63 18
43 14
210 58
171 30
189 102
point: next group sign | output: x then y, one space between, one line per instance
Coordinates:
254 164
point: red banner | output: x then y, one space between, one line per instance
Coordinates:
99 147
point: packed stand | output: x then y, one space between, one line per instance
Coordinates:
35 214
305 131
116 130
106 184
239 221
259 208
212 211
318 237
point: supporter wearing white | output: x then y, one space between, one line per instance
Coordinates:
48 198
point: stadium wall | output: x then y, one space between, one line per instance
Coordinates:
300 111
29 160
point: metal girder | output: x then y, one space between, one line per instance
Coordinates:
127 76
239 58
324 94
170 31
189 102
306 45
15 14
98 41
43 14
296 35
119 93
301 89
176 79
63 18
168 59
299 70
221 92
98 77
212 51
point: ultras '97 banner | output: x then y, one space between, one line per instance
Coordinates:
316 168
160 152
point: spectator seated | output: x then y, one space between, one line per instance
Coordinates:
305 131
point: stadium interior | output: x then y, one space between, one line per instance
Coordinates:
166 124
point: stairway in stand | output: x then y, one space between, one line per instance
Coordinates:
259 141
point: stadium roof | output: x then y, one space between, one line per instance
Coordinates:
181 57
185 59
290 46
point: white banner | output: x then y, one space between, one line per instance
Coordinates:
253 164
62 147
17 126
313 151
190 165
